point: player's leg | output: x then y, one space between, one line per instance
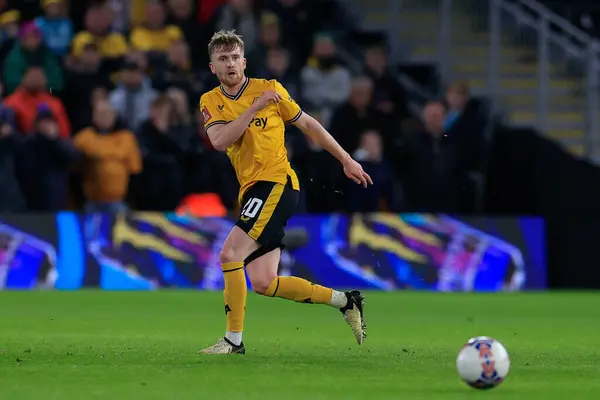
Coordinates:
262 272
258 204
262 268
236 248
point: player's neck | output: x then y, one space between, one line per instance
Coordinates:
235 89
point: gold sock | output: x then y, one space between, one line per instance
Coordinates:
300 290
235 295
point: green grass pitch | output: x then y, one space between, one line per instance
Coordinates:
123 345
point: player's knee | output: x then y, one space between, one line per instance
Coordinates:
229 255
261 283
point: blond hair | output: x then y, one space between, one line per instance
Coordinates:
225 40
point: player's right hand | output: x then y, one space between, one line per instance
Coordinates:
355 172
265 98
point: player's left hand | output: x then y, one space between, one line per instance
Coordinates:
354 171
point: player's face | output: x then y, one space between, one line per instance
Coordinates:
228 66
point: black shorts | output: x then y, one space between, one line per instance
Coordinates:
266 208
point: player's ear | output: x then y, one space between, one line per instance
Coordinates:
244 63
212 67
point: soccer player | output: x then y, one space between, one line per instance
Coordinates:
246 118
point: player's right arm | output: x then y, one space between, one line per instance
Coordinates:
223 134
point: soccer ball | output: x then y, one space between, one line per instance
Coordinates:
483 363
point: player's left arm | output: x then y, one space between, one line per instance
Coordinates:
315 130
291 112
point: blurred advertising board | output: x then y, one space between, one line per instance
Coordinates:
145 251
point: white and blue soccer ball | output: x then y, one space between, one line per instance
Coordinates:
483 363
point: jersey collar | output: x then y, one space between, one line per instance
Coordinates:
239 93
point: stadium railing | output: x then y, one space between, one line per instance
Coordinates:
351 53
516 24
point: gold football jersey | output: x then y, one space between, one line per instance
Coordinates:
259 154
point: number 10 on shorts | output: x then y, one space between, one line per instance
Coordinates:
252 207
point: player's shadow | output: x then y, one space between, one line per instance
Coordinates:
294 358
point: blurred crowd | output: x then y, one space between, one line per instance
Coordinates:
99 109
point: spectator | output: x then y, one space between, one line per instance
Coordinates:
464 114
181 14
31 95
180 120
238 15
207 9
214 167
46 165
183 128
56 28
298 20
163 181
466 123
121 12
84 74
177 72
320 175
111 156
184 133
112 45
11 195
325 83
356 115
9 24
30 52
133 96
388 96
9 30
137 12
154 36
432 170
7 115
138 57
269 38
465 117
278 67
380 195
98 94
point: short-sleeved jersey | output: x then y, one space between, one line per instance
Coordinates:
260 153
